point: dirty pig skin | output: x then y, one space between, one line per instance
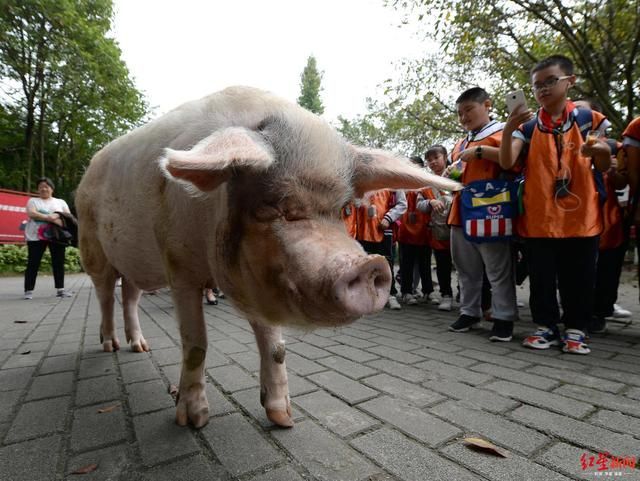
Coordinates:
242 189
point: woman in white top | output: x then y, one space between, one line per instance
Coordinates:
42 211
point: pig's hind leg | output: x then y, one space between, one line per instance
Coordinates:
105 284
274 386
130 299
103 275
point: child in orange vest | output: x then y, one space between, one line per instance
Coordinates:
414 246
437 204
613 242
631 146
562 216
479 154
375 218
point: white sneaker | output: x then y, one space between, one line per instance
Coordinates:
28 295
393 303
620 313
433 298
445 303
409 300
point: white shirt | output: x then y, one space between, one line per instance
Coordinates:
43 206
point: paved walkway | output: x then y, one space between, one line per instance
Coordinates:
387 398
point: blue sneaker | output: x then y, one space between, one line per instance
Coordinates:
543 338
574 342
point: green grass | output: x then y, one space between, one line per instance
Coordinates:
13 260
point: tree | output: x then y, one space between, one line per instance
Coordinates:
310 88
494 44
500 40
65 88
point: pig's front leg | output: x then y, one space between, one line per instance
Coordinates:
192 405
274 387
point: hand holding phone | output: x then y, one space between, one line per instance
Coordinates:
514 99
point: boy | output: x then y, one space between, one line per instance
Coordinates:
562 212
631 145
438 204
479 153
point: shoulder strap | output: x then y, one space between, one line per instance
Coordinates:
528 128
584 119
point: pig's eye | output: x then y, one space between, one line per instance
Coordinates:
266 213
295 214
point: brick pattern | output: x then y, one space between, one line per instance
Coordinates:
387 398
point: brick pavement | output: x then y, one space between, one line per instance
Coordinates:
386 398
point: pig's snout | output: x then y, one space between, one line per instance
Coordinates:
364 287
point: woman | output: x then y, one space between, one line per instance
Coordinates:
42 212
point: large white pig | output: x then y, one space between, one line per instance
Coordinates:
244 188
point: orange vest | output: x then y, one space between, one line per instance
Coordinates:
370 214
348 214
633 130
477 169
413 223
612 233
545 215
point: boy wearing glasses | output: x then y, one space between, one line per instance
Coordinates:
562 212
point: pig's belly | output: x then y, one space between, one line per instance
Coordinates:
135 255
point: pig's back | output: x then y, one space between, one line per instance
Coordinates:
139 214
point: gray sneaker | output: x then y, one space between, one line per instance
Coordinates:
64 293
28 295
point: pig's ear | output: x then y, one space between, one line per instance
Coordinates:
216 158
378 169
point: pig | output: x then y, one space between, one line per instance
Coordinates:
240 189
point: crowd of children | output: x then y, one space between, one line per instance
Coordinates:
569 221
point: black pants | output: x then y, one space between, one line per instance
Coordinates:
410 255
608 271
444 266
35 251
567 265
383 248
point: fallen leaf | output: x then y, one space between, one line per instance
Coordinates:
487 446
108 409
87 469
20 322
25 352
173 391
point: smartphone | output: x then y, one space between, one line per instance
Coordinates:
515 98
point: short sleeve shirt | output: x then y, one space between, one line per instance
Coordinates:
48 206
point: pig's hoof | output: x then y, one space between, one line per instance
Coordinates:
192 408
140 345
280 418
110 345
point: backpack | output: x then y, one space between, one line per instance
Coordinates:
488 210
584 119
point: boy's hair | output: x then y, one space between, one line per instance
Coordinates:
565 64
474 94
435 150
416 159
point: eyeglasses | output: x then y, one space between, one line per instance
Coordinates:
549 83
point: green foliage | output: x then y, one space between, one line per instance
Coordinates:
310 88
494 44
13 259
67 90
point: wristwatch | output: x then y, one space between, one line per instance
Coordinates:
479 152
